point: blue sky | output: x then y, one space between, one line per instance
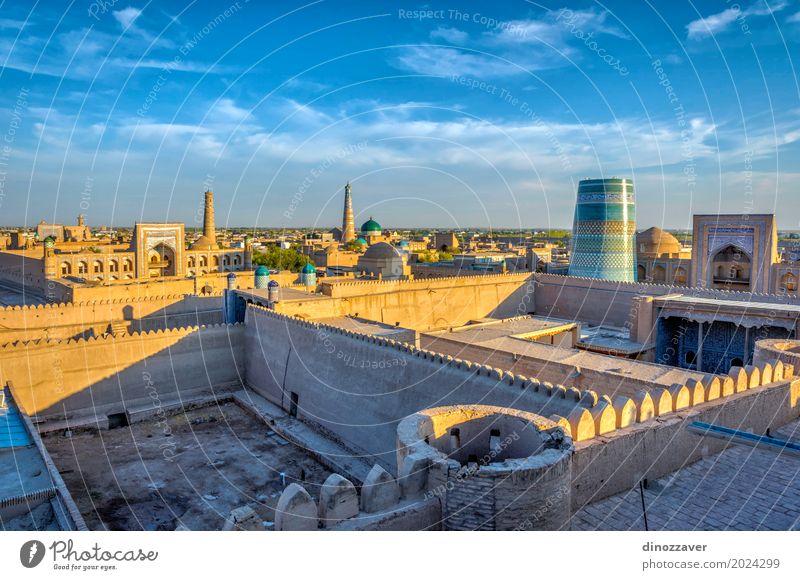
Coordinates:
461 114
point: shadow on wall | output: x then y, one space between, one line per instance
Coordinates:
83 320
122 374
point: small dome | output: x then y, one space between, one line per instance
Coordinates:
203 243
382 250
403 243
231 276
49 241
262 271
655 241
273 284
361 241
371 227
308 269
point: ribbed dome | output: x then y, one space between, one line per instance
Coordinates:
371 226
656 241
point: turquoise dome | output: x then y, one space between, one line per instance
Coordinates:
262 271
371 227
308 269
361 241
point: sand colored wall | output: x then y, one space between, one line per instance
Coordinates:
421 304
548 366
787 351
652 450
610 303
113 374
73 320
23 269
358 387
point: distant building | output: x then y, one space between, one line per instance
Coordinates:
384 261
445 241
661 259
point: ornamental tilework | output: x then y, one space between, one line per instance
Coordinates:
604 231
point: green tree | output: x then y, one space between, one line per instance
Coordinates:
276 258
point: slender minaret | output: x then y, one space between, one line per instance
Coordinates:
348 223
209 232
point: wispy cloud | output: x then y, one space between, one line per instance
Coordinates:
716 23
449 34
512 48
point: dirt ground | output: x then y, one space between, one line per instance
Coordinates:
190 469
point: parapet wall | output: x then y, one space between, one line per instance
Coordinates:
604 302
359 387
65 379
84 319
420 304
786 351
359 287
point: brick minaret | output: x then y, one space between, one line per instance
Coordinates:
348 223
208 219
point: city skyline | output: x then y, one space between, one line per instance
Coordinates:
462 119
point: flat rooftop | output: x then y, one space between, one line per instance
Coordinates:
715 303
189 469
486 331
741 488
259 296
608 340
365 326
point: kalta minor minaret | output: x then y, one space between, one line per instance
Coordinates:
348 222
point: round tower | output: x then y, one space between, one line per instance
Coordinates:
348 222
248 252
273 291
50 268
604 231
308 276
261 278
231 281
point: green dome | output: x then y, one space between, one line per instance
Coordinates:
49 241
308 269
371 226
262 271
361 241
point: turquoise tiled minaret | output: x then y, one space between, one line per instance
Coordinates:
604 231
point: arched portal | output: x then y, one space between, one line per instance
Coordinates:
161 261
731 268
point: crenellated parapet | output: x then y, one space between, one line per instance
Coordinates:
584 414
166 333
355 287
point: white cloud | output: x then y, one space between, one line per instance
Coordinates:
721 21
127 16
451 35
512 48
13 24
